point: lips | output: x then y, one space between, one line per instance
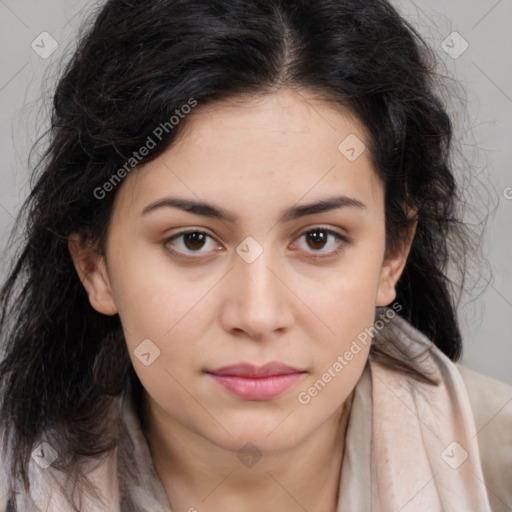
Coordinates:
256 382
252 371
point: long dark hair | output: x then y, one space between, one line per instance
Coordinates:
135 65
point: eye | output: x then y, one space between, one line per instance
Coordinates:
318 238
191 242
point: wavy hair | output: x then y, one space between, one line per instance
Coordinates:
136 63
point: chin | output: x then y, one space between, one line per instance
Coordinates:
261 438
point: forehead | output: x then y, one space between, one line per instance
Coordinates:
271 149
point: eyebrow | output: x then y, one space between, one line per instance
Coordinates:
292 213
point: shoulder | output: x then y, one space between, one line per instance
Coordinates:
491 401
4 484
6 505
6 502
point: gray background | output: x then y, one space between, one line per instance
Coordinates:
482 112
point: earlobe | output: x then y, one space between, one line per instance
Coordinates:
392 269
92 271
390 273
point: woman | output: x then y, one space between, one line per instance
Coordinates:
233 290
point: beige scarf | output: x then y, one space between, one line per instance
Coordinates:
410 446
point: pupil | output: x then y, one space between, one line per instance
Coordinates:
196 239
318 237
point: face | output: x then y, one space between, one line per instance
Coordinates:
254 277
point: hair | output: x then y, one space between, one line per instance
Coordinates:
134 65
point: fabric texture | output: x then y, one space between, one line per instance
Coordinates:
491 401
409 446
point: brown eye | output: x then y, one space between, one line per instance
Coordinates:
190 242
194 241
319 238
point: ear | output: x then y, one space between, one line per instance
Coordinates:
92 271
393 266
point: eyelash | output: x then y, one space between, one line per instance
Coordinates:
343 240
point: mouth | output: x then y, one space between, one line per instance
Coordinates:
256 382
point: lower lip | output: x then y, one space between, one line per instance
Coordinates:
263 388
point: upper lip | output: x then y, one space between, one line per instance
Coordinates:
250 370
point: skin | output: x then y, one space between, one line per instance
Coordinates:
254 158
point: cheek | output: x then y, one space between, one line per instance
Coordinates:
346 299
347 308
155 304
162 322
346 305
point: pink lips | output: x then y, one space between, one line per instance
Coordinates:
256 382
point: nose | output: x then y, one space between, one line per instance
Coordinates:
258 298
